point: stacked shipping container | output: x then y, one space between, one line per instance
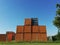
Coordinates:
19 33
35 29
27 36
19 37
27 29
31 32
28 22
42 30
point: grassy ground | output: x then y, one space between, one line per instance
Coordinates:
27 43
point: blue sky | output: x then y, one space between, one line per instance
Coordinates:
13 13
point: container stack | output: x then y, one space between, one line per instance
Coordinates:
19 33
43 35
27 30
31 31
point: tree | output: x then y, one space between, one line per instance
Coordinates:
56 21
58 5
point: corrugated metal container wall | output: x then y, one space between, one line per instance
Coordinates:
42 28
35 37
35 29
10 36
3 37
39 37
42 37
27 22
27 36
19 37
27 29
19 29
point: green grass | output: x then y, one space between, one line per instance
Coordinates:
29 43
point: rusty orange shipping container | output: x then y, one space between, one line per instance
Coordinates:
27 22
27 28
35 37
19 29
27 36
42 28
2 37
19 37
10 36
35 29
43 37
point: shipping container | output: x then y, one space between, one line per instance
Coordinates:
3 37
35 37
43 37
35 29
42 28
28 22
27 36
35 21
10 36
19 29
27 28
19 37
